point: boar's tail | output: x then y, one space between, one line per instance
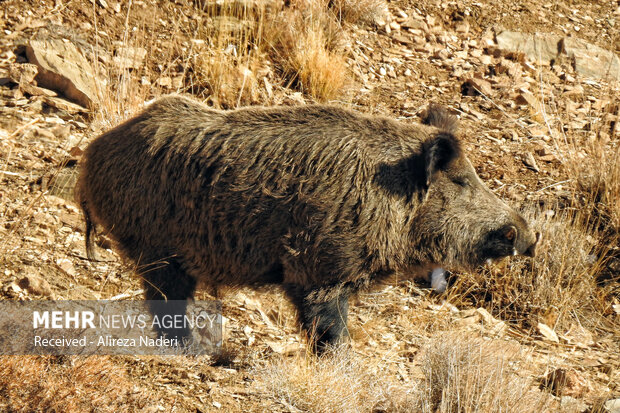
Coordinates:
89 232
439 117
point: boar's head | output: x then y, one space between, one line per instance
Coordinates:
460 222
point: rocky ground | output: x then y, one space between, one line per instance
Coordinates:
533 85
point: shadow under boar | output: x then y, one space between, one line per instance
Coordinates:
318 199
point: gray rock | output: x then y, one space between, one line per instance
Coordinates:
613 406
541 48
129 57
63 68
591 60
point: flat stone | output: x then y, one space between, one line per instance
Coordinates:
129 57
63 104
476 86
530 162
36 90
462 27
63 68
527 98
403 39
548 333
590 60
413 23
22 72
613 406
541 48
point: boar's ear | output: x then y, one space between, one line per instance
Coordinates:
439 117
439 151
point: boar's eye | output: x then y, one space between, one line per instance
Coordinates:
461 181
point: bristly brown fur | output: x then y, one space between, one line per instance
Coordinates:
319 199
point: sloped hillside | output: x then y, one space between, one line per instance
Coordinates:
535 86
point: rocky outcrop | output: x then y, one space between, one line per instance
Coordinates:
588 60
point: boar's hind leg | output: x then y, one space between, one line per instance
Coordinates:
325 320
167 287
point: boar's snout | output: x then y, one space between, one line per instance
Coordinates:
510 239
530 249
525 241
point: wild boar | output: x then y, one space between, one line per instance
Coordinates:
319 199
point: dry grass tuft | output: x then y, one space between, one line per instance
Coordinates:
595 167
469 374
227 83
321 73
306 42
335 382
458 374
67 384
359 11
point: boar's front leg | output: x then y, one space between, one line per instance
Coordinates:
323 314
167 287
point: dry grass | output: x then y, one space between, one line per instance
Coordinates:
595 166
359 11
67 384
228 53
458 374
589 155
306 42
336 382
122 90
320 72
468 374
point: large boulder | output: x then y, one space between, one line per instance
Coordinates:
589 60
63 68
